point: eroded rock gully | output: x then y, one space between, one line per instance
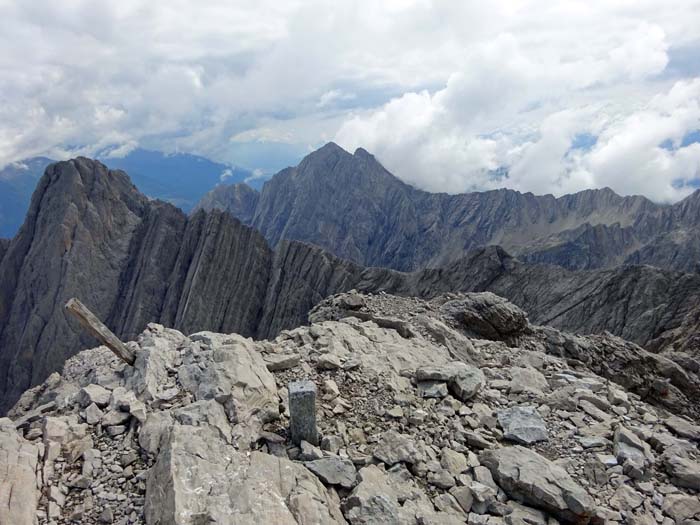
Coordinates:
413 399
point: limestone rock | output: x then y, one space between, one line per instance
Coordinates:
259 489
531 478
94 394
394 448
19 494
522 424
333 470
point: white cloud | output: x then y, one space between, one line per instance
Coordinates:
442 91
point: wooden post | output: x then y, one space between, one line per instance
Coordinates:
104 335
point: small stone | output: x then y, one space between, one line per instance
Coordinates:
93 414
116 430
395 412
282 361
330 388
441 479
93 394
106 516
467 383
464 497
527 380
309 452
417 417
683 427
115 417
454 462
522 424
432 389
331 443
334 471
394 448
328 361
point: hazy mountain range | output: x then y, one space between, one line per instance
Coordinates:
179 178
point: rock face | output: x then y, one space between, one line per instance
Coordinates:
19 487
4 245
91 235
353 207
197 431
223 485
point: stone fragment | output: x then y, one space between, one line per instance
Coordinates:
527 380
454 462
394 448
115 417
281 361
94 394
309 452
328 361
522 424
464 497
93 414
683 427
467 383
373 500
626 499
432 389
632 453
681 507
683 471
334 470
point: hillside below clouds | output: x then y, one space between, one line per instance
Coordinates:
90 233
350 205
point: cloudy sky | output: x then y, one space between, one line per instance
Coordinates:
541 96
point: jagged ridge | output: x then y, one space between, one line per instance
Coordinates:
353 207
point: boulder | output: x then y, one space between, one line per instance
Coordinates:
522 424
259 489
529 477
487 315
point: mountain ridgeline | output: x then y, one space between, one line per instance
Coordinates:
91 234
351 206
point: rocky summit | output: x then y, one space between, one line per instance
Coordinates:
454 410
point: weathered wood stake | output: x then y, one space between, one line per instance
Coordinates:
302 412
96 328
